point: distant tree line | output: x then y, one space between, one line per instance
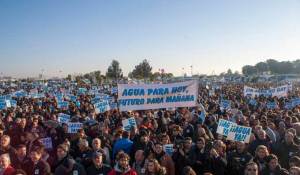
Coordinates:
273 67
142 71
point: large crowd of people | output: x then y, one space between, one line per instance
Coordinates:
102 146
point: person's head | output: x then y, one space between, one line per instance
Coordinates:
144 138
96 144
261 134
20 172
139 155
5 141
219 146
294 170
123 160
187 170
23 122
62 151
294 161
251 169
165 139
4 161
187 143
81 133
272 161
35 122
261 151
158 148
97 159
289 137
125 135
36 154
21 151
153 166
83 144
240 147
200 143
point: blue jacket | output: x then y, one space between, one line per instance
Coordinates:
122 144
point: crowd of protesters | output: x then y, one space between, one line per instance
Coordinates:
103 147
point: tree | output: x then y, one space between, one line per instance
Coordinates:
249 70
273 65
262 67
98 76
69 77
142 70
229 72
114 71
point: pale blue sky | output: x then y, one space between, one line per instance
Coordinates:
83 36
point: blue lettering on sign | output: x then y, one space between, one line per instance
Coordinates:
133 92
158 91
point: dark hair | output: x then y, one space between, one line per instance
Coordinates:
295 160
122 155
271 157
20 146
188 171
125 134
20 171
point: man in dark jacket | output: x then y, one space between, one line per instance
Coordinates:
181 155
198 155
21 159
237 159
98 167
37 166
273 166
286 149
66 165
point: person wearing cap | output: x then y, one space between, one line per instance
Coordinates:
238 158
65 164
98 167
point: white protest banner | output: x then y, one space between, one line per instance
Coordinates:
63 104
224 127
128 123
155 96
280 91
225 104
295 102
102 107
8 103
271 105
47 142
63 118
73 127
239 133
233 131
169 149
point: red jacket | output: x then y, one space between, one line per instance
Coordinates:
9 171
129 172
